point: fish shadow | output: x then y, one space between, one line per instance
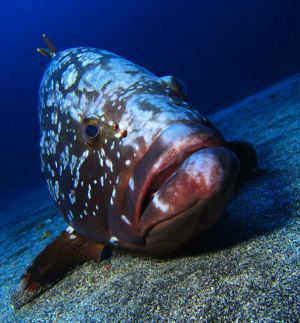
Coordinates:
258 207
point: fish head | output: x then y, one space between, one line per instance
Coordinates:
127 160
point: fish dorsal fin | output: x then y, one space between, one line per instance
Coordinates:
175 85
67 251
50 51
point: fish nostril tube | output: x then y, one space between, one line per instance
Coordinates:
120 134
123 133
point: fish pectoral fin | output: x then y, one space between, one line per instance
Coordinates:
247 156
176 85
66 252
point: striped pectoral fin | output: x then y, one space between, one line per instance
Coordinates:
66 252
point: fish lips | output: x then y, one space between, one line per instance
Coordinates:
191 200
181 186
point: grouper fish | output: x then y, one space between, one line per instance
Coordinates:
128 161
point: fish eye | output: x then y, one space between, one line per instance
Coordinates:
92 131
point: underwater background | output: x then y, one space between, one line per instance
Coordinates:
240 62
222 50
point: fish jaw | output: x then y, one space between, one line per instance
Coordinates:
191 200
180 188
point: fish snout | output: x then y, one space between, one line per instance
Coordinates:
191 200
181 187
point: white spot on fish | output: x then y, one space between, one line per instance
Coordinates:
203 165
80 161
131 184
72 197
159 204
69 76
114 240
56 190
75 182
109 164
125 219
73 163
54 118
70 229
100 159
70 216
89 191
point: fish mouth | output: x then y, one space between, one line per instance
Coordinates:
164 158
179 188
169 163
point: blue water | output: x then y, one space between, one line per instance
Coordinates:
223 50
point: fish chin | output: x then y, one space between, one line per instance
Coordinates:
190 201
